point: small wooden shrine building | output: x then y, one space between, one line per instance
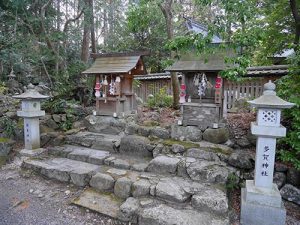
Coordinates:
202 103
114 82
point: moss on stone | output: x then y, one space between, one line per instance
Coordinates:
20 123
3 160
150 123
185 144
4 140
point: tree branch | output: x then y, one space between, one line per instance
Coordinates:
72 20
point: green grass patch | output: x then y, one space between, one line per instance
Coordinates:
185 144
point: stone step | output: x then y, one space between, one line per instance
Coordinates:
62 169
205 167
127 183
100 157
146 211
98 141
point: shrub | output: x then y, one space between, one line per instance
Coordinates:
160 99
8 125
289 89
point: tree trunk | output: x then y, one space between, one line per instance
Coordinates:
166 9
86 33
295 12
93 38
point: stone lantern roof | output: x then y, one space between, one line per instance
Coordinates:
31 93
269 99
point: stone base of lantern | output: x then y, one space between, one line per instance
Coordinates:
261 206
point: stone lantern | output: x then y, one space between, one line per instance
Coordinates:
261 201
31 112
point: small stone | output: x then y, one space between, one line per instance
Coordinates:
67 192
153 190
122 187
146 202
94 202
108 160
241 159
31 191
176 148
40 195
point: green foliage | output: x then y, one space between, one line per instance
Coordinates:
8 125
3 88
233 182
160 99
289 89
59 106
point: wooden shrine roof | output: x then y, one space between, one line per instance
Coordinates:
111 64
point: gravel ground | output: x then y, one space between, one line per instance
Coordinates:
27 199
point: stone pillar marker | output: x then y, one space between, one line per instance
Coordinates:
31 112
261 201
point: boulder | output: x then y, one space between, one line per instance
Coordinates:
122 187
163 165
120 163
131 129
171 190
243 142
140 167
211 200
291 193
189 133
141 188
216 136
241 159
144 131
128 210
293 177
102 182
279 179
160 133
135 145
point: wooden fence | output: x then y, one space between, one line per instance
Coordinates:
147 87
233 91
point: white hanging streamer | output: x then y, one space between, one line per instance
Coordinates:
112 87
202 85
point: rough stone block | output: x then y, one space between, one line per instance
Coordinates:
135 145
202 154
128 210
291 193
122 187
140 167
102 182
141 188
190 133
211 200
163 165
171 190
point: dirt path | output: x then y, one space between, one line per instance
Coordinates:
26 199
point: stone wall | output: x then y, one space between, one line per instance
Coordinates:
202 116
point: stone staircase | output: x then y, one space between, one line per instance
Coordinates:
127 183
